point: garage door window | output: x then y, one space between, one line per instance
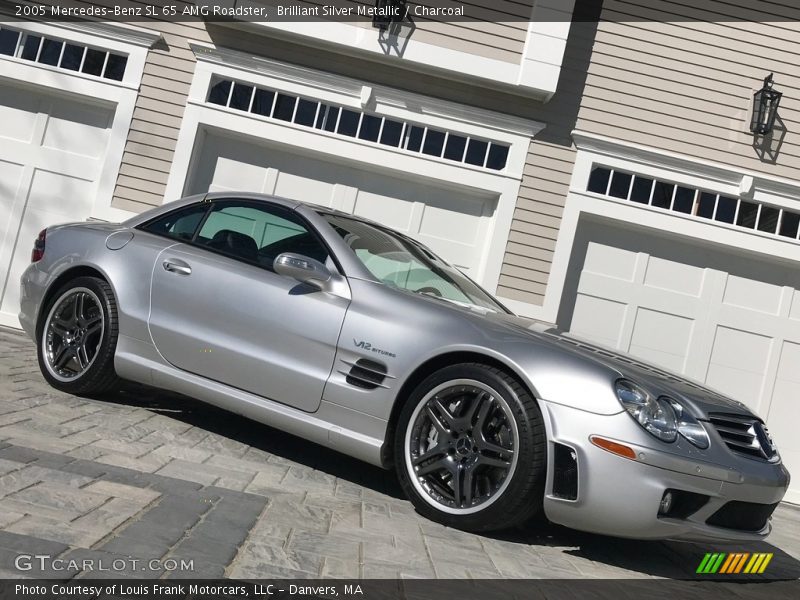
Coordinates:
439 143
61 54
703 204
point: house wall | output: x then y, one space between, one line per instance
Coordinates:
680 79
686 86
500 36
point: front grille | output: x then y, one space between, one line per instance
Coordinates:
742 516
745 435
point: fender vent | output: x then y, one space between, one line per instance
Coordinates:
365 374
565 472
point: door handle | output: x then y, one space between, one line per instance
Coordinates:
175 267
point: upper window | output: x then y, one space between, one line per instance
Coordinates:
179 224
692 201
249 231
449 145
70 56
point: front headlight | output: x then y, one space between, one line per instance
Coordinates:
663 417
656 415
688 426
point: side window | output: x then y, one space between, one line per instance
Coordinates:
257 234
180 224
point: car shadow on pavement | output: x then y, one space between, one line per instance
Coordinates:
257 435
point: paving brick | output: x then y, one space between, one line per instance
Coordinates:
18 454
120 490
153 533
186 453
7 517
205 550
7 466
244 503
272 560
303 479
41 442
32 545
288 509
341 569
15 481
72 502
58 531
329 544
219 445
55 476
146 464
110 515
131 546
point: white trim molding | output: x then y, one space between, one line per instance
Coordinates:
536 74
201 116
672 167
119 94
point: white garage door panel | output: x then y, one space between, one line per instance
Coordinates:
18 113
454 224
730 320
51 156
647 341
794 312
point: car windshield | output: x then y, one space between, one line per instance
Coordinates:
402 263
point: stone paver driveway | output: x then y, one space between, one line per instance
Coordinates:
145 476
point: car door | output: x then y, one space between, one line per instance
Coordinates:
220 311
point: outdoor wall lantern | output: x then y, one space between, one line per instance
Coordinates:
388 12
765 108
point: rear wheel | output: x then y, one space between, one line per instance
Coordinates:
78 337
470 449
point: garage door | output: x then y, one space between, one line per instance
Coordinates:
454 223
728 319
51 156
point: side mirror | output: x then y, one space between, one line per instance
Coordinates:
303 269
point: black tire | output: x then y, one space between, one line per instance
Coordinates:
99 376
521 498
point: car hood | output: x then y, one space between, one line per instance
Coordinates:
657 380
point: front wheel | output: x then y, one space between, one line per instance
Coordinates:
78 336
470 449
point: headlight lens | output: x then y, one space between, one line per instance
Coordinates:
688 426
656 415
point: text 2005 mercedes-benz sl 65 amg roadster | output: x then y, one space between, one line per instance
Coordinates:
356 337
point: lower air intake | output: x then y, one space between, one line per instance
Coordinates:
742 516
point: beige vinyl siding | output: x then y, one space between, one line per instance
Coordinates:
537 217
157 117
686 86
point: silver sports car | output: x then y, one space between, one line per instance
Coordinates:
361 339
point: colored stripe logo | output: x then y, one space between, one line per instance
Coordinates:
734 563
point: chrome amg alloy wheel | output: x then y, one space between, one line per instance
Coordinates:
461 446
72 334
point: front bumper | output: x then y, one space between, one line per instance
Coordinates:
621 497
